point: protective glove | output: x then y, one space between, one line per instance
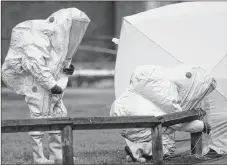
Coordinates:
70 70
207 128
56 90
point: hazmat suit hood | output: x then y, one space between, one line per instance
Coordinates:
40 49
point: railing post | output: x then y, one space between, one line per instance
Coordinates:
196 143
157 150
67 145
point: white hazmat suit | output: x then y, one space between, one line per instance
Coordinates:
36 66
155 91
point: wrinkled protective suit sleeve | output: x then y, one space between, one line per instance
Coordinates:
34 62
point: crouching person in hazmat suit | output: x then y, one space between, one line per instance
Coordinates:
155 91
38 65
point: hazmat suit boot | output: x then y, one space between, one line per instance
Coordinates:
130 157
37 147
55 147
141 158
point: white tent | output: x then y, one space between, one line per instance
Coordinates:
189 33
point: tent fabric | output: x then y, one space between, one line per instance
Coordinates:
192 33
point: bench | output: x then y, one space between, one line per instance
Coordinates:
67 125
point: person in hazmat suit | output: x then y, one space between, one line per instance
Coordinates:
155 91
37 66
